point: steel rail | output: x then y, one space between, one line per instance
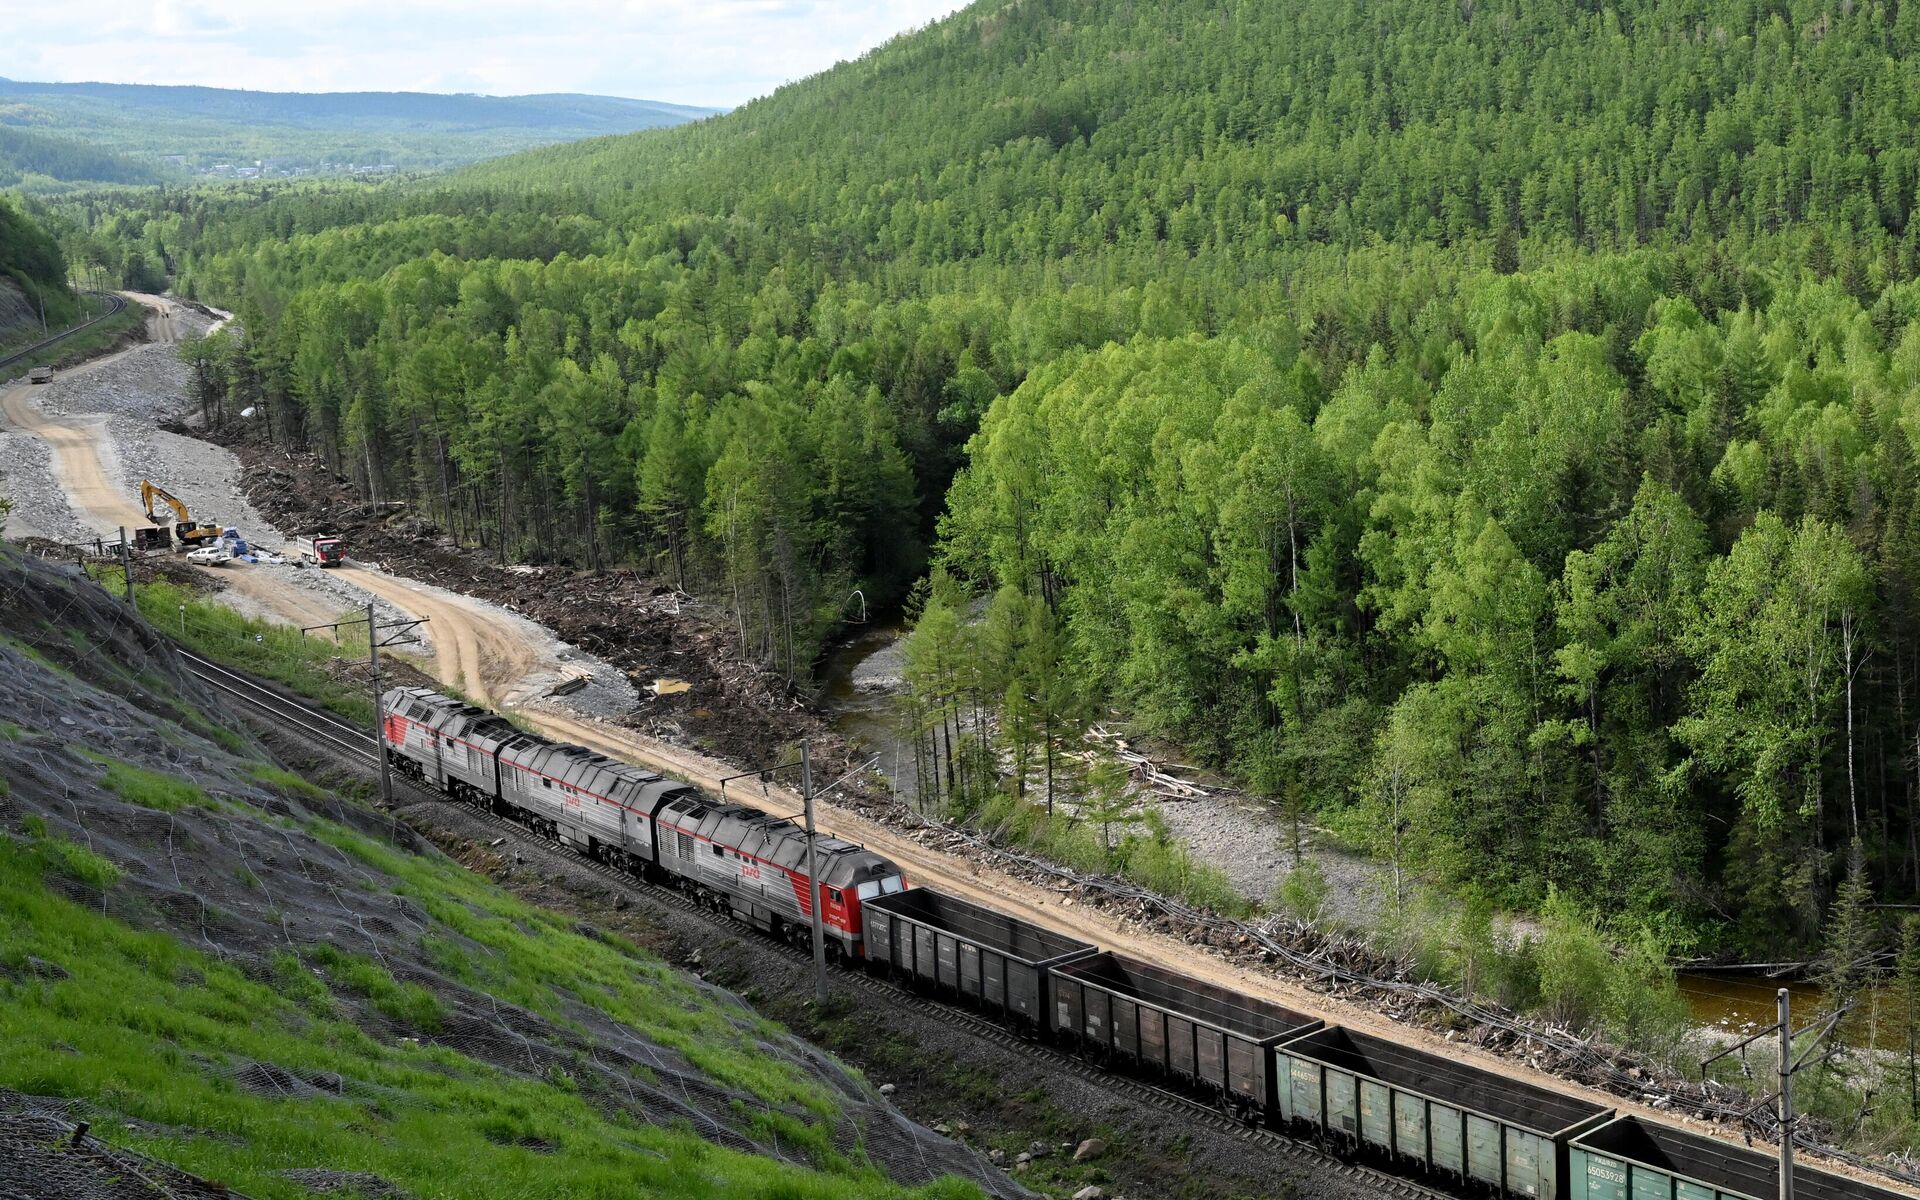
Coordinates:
118 301
303 721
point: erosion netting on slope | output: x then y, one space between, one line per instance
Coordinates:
261 874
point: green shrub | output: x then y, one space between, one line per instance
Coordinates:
151 789
1644 1006
1303 891
1576 965
75 861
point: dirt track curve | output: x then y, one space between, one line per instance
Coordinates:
488 655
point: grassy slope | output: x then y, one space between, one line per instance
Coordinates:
141 1023
80 346
109 997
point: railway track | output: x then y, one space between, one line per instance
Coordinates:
339 737
118 301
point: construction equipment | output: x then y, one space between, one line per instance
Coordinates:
190 532
40 375
323 551
159 537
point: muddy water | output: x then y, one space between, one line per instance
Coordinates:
1741 1004
859 683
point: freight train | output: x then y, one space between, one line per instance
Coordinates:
1372 1098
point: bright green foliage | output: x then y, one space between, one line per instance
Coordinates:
1586 983
1303 891
1493 418
67 858
148 1028
408 1003
32 261
151 789
276 652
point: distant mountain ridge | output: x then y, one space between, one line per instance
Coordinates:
617 113
202 129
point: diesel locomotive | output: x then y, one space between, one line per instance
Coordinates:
739 859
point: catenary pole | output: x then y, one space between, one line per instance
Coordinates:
379 713
1786 1098
126 566
813 881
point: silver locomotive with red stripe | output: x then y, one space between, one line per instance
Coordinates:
739 859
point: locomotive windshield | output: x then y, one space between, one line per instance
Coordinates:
881 887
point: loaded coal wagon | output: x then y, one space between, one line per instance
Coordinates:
1631 1159
1160 1022
1444 1116
987 958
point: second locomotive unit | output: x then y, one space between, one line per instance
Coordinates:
738 858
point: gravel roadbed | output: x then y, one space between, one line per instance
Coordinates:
134 395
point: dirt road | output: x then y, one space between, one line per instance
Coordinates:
82 451
162 323
476 649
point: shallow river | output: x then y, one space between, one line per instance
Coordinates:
859 681
1740 1004
861 678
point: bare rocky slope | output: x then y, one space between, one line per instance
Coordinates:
276 990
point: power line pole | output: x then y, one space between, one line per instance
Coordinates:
379 705
813 878
813 860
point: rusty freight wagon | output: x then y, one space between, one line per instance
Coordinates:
1444 1117
1205 1037
990 959
1631 1159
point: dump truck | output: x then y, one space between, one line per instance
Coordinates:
40 375
323 551
190 532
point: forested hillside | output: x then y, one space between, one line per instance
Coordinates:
31 261
1491 419
32 160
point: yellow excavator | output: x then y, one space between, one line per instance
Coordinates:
189 531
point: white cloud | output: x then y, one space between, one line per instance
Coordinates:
720 52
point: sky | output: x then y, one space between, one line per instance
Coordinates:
706 52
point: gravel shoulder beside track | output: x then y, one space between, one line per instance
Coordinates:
994 1096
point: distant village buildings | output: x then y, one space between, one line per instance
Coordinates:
283 168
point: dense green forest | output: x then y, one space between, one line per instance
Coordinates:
1490 425
30 259
36 161
136 133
